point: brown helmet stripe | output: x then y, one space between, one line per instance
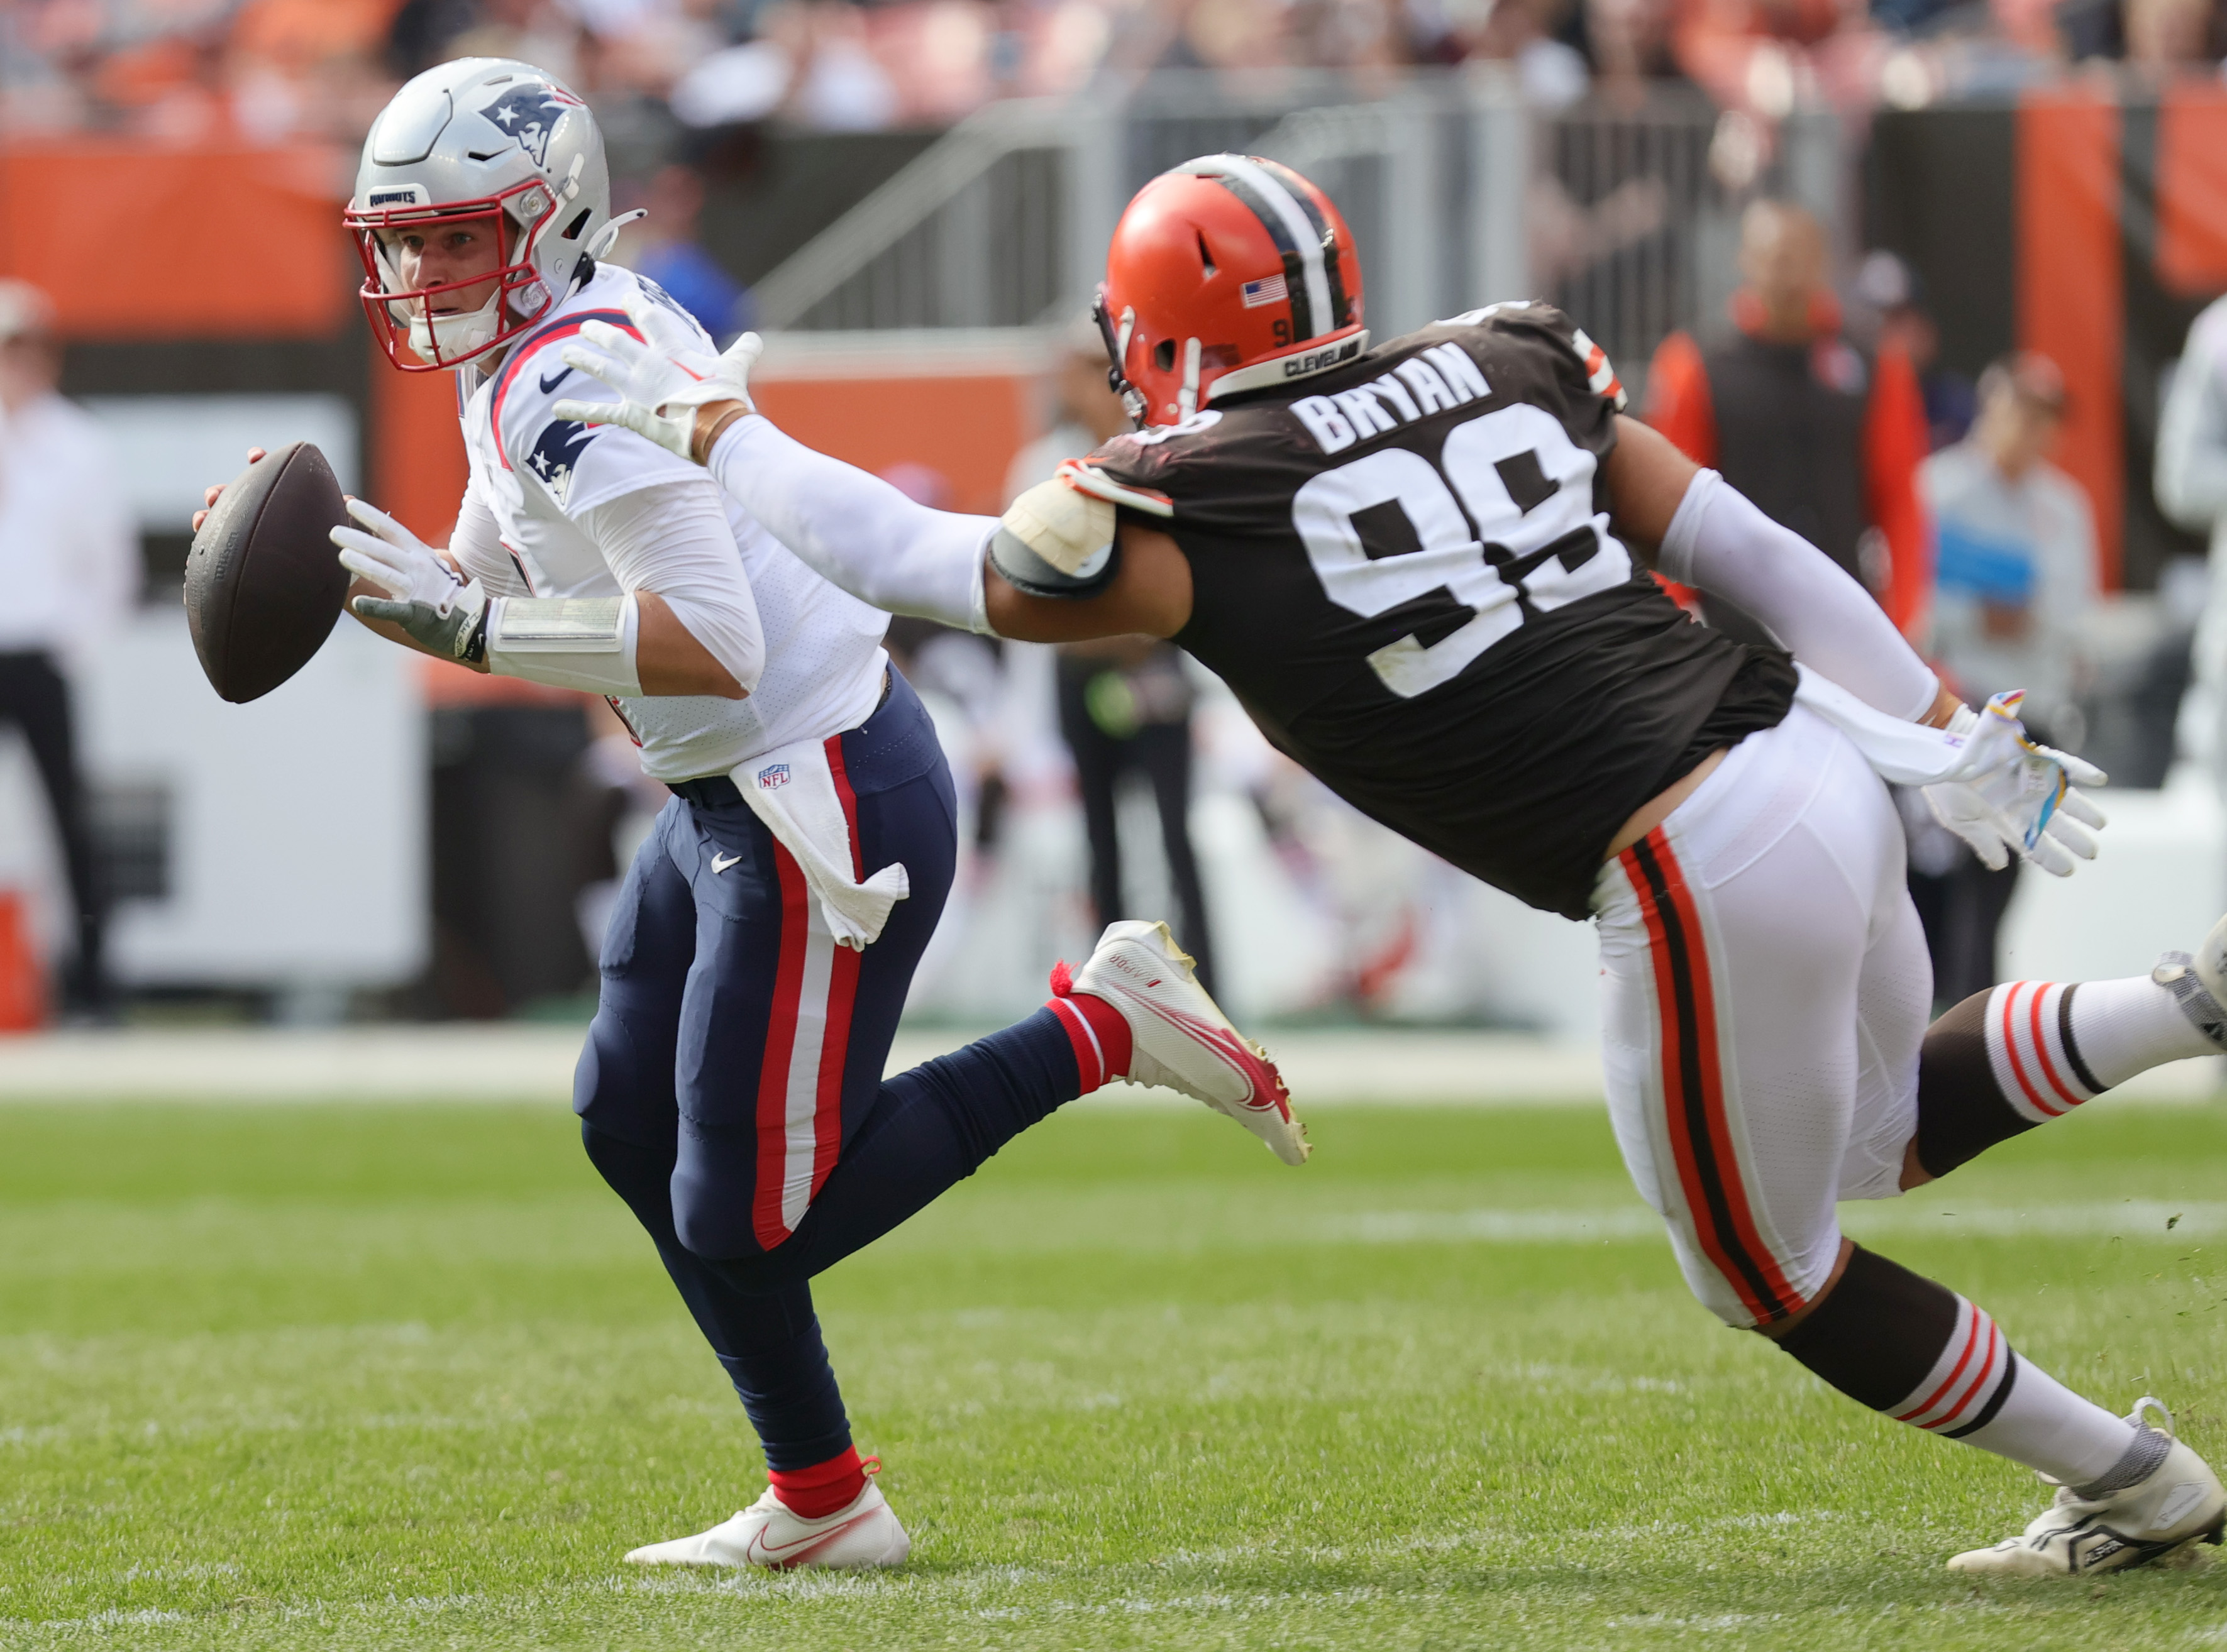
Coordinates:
1341 307
1295 275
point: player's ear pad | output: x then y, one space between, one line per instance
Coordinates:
264 585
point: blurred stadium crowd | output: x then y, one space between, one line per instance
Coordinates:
1942 498
269 70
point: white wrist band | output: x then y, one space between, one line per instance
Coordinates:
585 643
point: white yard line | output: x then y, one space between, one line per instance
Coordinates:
2131 1219
507 1062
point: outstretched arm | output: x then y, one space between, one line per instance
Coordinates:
2006 795
857 530
1149 596
1710 535
853 529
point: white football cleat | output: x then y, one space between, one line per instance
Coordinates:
768 1534
2176 1503
2198 985
1179 1037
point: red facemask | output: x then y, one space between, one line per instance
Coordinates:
406 322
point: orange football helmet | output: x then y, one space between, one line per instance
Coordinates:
1229 273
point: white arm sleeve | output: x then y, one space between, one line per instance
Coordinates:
1719 541
855 531
674 538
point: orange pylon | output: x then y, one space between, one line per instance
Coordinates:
22 987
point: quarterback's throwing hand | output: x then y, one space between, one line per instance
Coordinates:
663 376
425 596
2011 794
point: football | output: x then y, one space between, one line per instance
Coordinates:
264 585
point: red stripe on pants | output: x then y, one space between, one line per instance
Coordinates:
842 994
781 1046
1693 1082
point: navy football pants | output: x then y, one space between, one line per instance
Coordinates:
731 1086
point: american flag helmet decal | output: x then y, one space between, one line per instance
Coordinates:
1272 290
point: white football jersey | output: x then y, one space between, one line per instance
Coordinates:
539 475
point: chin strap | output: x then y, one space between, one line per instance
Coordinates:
433 337
1133 399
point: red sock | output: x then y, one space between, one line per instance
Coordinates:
823 1487
1093 1027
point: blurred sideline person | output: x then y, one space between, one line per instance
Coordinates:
673 256
69 572
2015 585
1424 569
759 952
1894 290
1823 438
1124 705
2190 482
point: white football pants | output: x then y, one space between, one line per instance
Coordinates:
1767 987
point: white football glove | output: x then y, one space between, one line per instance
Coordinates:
662 375
425 596
2011 794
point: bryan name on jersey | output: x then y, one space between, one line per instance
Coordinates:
1406 576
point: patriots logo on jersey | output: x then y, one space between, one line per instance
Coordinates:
557 453
529 112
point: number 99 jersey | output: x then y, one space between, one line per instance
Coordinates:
1406 576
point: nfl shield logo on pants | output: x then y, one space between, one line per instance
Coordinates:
773 777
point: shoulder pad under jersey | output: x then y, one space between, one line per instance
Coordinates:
1600 373
1058 539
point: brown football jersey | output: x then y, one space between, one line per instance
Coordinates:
1403 569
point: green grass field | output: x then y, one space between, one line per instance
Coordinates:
363 1377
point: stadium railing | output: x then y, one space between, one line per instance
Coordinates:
1458 192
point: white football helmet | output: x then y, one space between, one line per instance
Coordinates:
483 138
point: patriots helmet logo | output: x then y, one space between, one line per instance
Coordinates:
529 112
557 453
